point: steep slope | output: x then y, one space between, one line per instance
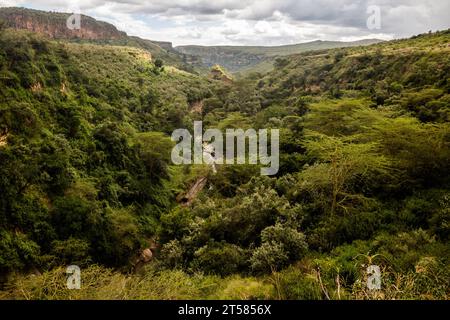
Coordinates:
399 73
54 26
238 59
78 136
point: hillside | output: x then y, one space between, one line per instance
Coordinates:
72 113
87 177
240 59
53 25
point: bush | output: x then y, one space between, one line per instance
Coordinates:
17 251
159 63
293 242
171 254
220 258
269 257
71 251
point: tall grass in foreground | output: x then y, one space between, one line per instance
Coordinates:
98 283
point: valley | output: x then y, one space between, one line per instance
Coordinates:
244 60
86 176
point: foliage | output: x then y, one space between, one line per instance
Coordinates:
86 176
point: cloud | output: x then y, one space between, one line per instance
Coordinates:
258 22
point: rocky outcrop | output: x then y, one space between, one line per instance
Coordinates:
54 25
241 58
146 255
165 45
228 57
218 73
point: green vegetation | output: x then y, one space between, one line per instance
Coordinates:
243 60
86 176
53 25
83 162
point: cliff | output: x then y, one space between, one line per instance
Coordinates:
54 25
241 58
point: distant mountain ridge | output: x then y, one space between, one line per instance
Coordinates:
239 58
234 58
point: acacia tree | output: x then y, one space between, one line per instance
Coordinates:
342 170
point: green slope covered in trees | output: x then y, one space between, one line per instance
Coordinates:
86 177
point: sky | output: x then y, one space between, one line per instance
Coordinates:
259 22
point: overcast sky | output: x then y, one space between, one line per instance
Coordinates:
257 22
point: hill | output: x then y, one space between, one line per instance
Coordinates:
53 25
62 101
86 176
239 58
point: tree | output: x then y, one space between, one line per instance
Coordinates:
159 63
155 148
220 258
2 25
341 169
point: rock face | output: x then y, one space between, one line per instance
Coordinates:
217 73
54 25
232 58
238 58
165 45
146 255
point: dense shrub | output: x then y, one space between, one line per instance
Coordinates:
220 258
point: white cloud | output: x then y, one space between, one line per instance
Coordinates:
10 3
257 22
